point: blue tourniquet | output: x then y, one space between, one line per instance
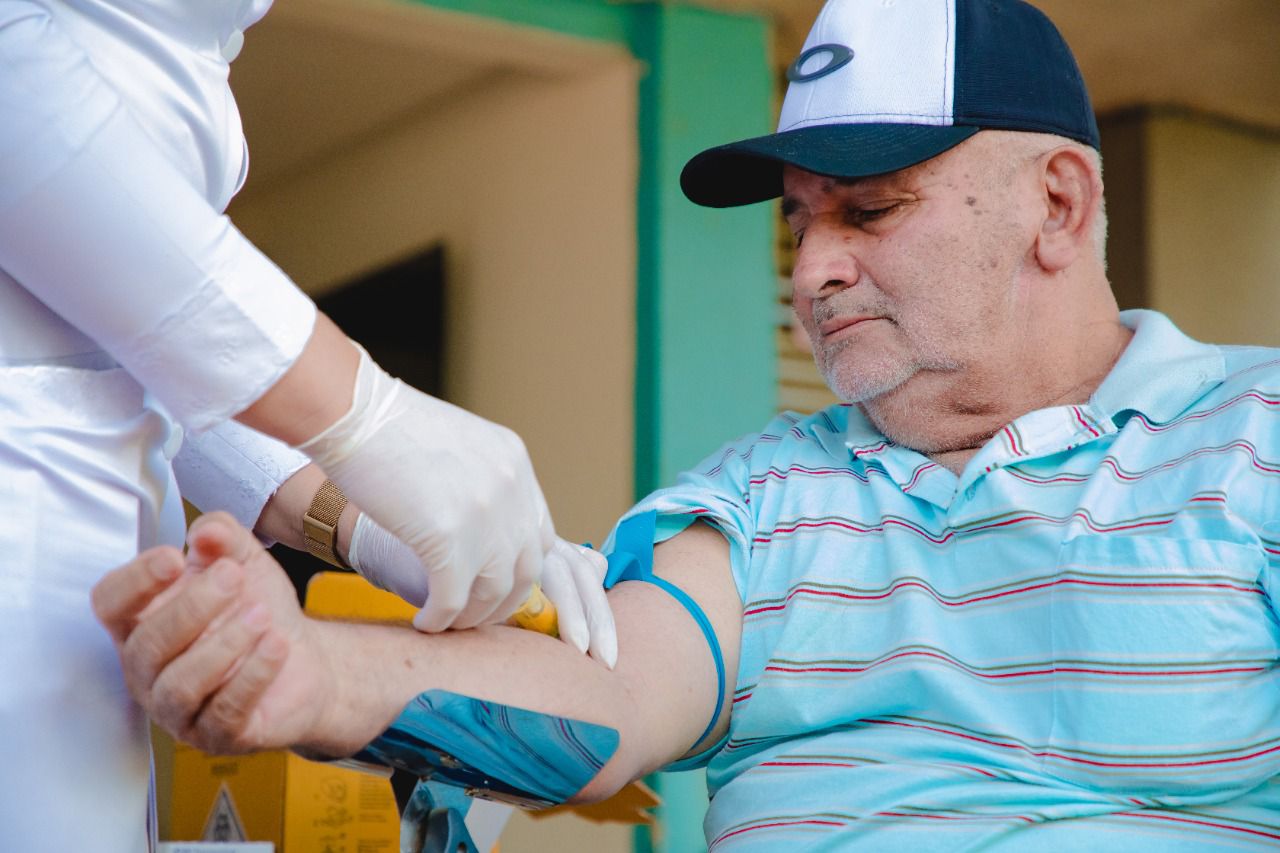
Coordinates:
632 560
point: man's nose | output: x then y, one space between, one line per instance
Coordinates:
826 261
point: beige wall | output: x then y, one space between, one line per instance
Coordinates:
530 185
1213 229
529 182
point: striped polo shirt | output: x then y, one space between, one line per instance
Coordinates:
1072 645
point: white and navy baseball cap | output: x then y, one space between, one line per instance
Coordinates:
884 84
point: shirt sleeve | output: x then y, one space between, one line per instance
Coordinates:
715 491
99 225
234 469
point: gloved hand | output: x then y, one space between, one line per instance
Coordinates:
572 578
458 490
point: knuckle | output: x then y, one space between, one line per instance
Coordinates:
175 702
446 607
140 654
528 572
489 589
219 724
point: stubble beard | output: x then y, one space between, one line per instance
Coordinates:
866 378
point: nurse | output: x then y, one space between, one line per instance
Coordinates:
131 310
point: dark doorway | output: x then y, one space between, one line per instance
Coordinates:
397 314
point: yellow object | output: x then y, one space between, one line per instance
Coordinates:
302 806
633 804
346 595
537 614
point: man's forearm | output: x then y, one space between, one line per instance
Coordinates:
379 670
216 650
376 670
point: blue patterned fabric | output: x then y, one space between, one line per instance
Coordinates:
494 751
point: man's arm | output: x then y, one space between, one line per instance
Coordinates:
220 655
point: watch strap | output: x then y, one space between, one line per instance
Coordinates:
320 524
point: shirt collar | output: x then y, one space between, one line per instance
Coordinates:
1160 373
859 433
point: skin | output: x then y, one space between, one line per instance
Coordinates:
952 297
216 650
981 269
281 518
313 393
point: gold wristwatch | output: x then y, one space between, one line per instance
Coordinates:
320 524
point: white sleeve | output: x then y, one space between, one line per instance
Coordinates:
100 226
235 469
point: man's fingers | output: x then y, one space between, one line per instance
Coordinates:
124 593
174 624
183 687
230 721
217 535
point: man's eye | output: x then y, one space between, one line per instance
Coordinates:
866 214
799 237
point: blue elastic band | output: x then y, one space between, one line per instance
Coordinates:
632 560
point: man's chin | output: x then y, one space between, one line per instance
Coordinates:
866 386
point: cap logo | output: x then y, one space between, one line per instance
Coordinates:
838 56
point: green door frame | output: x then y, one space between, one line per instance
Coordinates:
706 363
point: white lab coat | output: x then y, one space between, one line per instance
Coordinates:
129 308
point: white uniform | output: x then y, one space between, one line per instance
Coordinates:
128 305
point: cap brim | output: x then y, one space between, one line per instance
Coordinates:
751 170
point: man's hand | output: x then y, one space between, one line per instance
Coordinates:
458 490
214 647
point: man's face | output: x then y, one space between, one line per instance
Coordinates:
911 273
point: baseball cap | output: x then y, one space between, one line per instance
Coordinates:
884 84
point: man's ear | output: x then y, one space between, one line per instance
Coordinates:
1073 198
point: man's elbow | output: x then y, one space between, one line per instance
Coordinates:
611 779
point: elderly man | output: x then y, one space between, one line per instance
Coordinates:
1017 593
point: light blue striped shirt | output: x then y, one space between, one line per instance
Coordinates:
1073 645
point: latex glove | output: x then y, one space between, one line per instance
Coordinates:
458 490
386 562
572 578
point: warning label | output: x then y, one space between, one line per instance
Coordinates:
223 823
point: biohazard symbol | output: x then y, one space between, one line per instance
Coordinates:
223 823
